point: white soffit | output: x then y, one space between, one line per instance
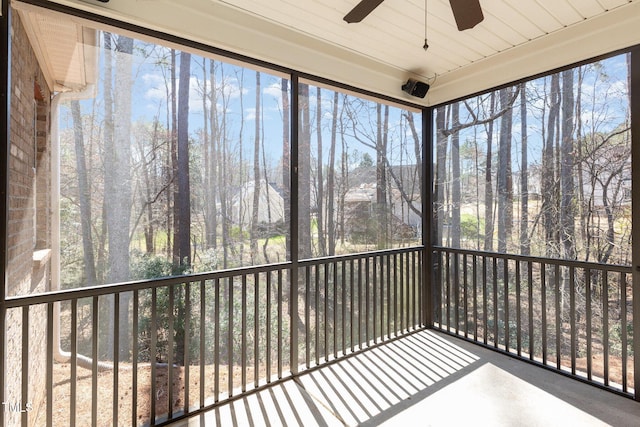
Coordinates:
64 49
516 39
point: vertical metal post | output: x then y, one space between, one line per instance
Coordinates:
268 331
25 362
456 291
360 309
530 303
256 329
152 350
496 307
485 302
623 328
447 288
558 318
587 292
634 80
335 309
216 340
326 311
5 90
543 305
280 324
367 284
572 316
186 342
230 336
475 297
49 374
465 295
203 320
605 324
351 307
518 310
427 218
307 315
317 312
116 355
243 333
73 380
294 208
505 279
135 331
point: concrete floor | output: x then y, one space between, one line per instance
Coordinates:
427 379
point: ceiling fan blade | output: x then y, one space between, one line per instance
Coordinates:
467 13
362 9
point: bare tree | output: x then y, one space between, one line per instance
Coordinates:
304 174
504 183
567 199
322 241
331 226
286 156
84 196
117 179
382 202
183 201
549 190
440 178
525 244
455 178
256 176
210 154
488 183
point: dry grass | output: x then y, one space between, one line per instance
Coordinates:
126 394
615 368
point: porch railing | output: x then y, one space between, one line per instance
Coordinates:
573 317
151 352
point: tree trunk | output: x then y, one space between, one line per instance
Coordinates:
504 182
304 176
455 172
118 184
440 179
267 193
184 191
549 199
241 166
210 155
286 159
488 184
382 207
331 226
525 245
223 176
149 189
322 233
84 194
256 177
567 200
174 165
582 207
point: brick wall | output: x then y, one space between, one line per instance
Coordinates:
29 221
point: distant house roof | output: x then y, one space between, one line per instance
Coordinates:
270 204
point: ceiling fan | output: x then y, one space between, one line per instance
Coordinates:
467 13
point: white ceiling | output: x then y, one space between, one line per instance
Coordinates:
517 38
